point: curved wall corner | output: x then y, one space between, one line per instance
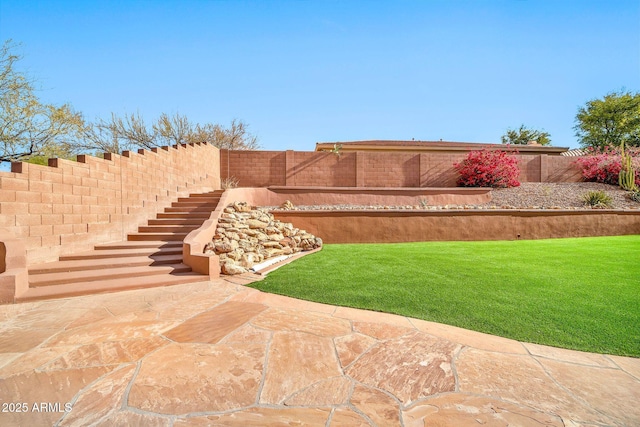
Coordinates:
194 243
14 279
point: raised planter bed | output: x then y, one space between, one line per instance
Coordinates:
394 225
379 196
435 222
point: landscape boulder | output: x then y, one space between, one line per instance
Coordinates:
287 205
247 235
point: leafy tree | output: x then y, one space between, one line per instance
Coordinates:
610 121
523 135
29 128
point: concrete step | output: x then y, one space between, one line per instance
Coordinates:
189 205
186 210
110 285
68 277
121 253
215 194
139 245
166 228
177 221
157 236
103 263
185 215
198 200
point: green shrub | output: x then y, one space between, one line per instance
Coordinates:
635 196
597 199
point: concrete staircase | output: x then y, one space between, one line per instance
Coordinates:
151 257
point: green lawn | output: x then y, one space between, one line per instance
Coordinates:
582 294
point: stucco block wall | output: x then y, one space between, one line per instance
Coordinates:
69 207
436 170
529 168
254 168
390 169
562 169
311 168
373 169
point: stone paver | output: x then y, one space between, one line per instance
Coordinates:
333 391
460 410
296 361
216 353
211 326
411 367
352 346
186 378
521 379
378 406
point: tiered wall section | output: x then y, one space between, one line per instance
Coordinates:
395 226
398 225
70 206
372 169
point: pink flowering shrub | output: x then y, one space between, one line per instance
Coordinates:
605 165
488 168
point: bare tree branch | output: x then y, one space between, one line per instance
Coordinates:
28 127
173 130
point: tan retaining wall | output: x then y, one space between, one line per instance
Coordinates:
378 196
195 242
373 169
71 206
275 196
389 226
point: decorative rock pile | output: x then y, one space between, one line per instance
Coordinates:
246 236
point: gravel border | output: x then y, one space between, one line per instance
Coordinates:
565 195
529 195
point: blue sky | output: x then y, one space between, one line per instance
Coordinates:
300 72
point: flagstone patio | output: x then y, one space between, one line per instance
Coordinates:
217 353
